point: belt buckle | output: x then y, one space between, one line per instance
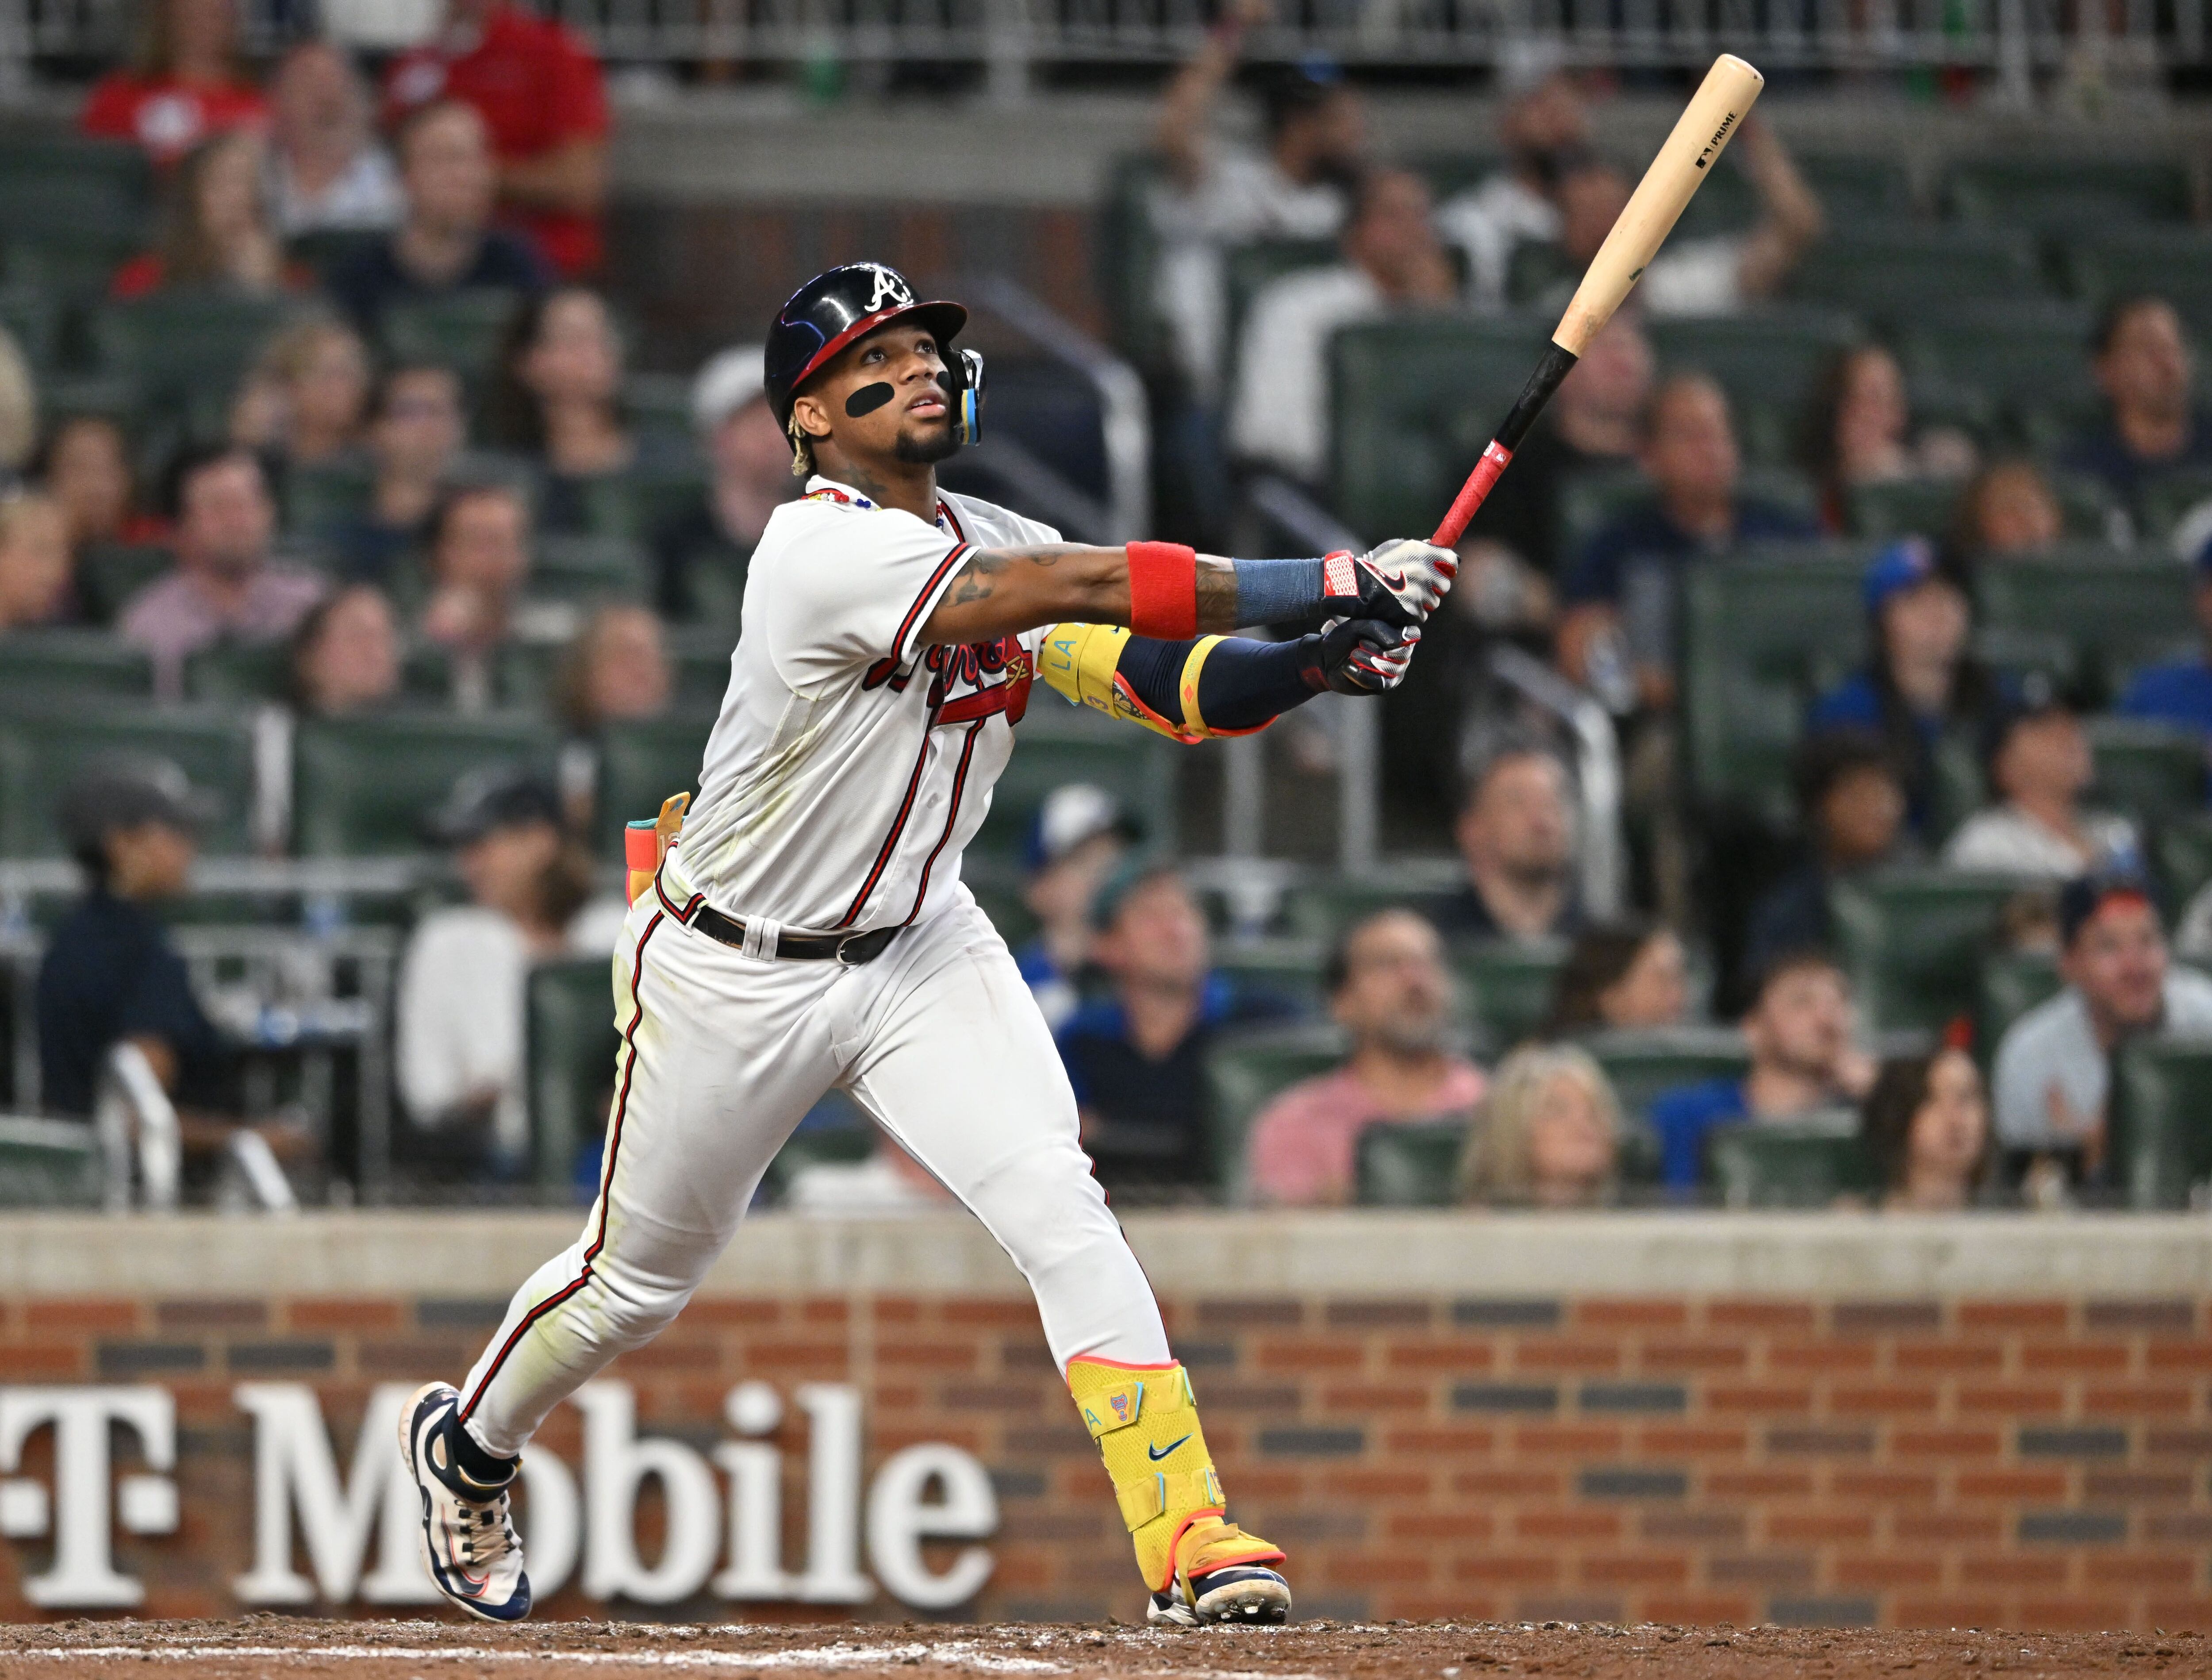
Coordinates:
844 961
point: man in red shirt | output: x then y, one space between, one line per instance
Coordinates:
183 84
538 87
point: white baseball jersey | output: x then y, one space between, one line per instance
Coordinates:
849 766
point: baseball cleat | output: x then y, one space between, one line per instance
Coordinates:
1221 1576
469 1542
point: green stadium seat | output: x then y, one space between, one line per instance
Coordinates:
2030 357
1766 357
1251 269
836 1134
1001 900
2153 771
1913 940
109 574
188 348
658 405
2181 853
2165 498
1244 1075
1450 174
634 505
1412 1164
1642 1064
1760 637
1290 968
1859 192
700 658
38 664
1413 404
259 671
2011 983
641 764
1800 1164
572 1047
1507 986
2162 1121
46 744
2175 263
590 569
1128 248
1318 911
1924 507
463 330
317 498
83 178
1887 274
2120 610
32 314
2058 195
327 250
48 1163
1059 744
362 786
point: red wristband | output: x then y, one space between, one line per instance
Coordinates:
1164 590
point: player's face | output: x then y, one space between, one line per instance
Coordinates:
914 424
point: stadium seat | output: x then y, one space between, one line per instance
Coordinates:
1251 269
2012 983
1412 1164
2165 498
2162 1120
1244 1075
1886 274
327 250
246 672
1913 941
641 764
48 1163
1414 402
1449 173
109 574
1059 744
32 314
1761 636
572 1044
2121 611
1641 1064
634 505
1769 357
72 209
317 498
836 1132
2173 262
362 786
1317 910
2153 771
2031 358
1286 968
1925 507
1129 253
1859 192
463 330
35 664
188 348
1507 986
47 744
701 660
586 570
1799 1164
2057 195
2181 855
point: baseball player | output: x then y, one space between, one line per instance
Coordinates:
810 929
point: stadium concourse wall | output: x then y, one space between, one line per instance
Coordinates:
1969 1421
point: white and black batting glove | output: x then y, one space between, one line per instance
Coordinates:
1401 582
1358 656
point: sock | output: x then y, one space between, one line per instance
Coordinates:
484 1468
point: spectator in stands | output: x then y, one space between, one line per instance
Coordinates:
1515 834
1926 1124
215 230
1078 837
34 562
558 399
1389 988
446 242
2053 1066
1625 975
112 974
2008 508
1624 586
1850 810
416 430
459 1014
1137 1058
479 556
1393 261
345 655
1219 195
2179 692
225 586
2148 372
536 85
2039 767
1545 132
1804 1057
1858 431
1548 1137
302 404
1921 684
327 171
184 82
700 554
85 465
616 670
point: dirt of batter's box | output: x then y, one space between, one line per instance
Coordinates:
266 1644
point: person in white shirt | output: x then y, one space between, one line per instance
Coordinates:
462 993
1546 130
1393 260
2040 768
327 171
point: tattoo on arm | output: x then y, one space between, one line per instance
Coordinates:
1216 595
977 578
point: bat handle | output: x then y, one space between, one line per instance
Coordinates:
1558 362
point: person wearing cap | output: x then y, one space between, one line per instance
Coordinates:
700 553
2040 765
1136 1056
2179 692
459 1015
1919 684
1077 836
2053 1068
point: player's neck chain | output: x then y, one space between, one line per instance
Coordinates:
855 499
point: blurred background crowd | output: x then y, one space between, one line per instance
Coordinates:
1801 801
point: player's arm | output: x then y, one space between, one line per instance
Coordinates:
1209 685
1171 592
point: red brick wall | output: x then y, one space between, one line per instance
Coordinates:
2021 1462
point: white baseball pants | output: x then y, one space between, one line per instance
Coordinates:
722 1055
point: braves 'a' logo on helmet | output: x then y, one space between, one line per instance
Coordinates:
891 290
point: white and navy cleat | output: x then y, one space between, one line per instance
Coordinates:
469 1542
1239 1595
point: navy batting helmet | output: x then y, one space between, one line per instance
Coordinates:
833 309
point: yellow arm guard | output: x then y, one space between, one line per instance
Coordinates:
1081 662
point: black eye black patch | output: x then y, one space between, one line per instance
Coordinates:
868 399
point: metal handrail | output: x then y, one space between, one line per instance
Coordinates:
140 1139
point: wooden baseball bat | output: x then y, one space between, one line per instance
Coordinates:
1710 119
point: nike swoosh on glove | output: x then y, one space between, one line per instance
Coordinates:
1360 656
1401 582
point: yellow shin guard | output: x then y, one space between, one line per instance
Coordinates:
1145 1422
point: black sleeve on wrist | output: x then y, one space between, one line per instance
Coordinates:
1242 685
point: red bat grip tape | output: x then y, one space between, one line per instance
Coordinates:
1164 590
1472 494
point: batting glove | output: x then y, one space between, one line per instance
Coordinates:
1401 583
1358 656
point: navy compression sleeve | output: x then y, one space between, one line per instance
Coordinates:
1242 685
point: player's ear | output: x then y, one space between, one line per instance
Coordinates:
808 415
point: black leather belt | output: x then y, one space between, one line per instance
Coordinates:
850 949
